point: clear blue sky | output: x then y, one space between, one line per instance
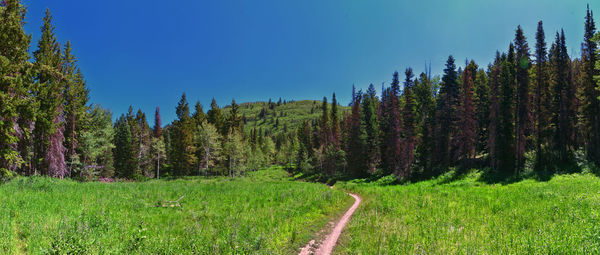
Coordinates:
146 53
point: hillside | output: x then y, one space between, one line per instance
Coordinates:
281 117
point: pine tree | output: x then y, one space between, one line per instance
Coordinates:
14 83
523 117
234 120
370 129
75 96
123 152
47 92
409 139
198 117
541 113
591 104
324 127
446 115
144 145
97 144
355 151
424 95
467 118
494 125
506 111
562 104
157 130
182 158
391 128
215 117
335 123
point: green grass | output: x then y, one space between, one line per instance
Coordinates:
263 213
467 216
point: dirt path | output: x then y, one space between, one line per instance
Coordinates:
331 239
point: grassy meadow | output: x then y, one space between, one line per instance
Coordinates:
263 213
469 216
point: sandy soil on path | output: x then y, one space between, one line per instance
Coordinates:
326 247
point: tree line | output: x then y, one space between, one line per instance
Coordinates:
527 108
48 127
534 109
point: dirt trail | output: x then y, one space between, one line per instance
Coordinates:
331 239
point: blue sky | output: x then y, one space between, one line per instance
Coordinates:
146 53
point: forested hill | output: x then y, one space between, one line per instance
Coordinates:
281 116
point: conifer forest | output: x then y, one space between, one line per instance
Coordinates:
501 157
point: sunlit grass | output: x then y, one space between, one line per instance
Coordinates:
263 213
561 216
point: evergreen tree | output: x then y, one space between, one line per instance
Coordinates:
355 151
97 144
75 96
562 104
391 128
467 118
541 113
234 120
215 117
523 117
124 156
198 117
157 130
424 95
446 115
370 129
591 104
14 83
494 125
335 123
182 158
506 111
324 127
47 92
409 139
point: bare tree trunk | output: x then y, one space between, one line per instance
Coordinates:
158 165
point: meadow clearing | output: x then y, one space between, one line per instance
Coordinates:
263 213
469 216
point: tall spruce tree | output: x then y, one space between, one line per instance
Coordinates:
446 115
14 84
505 139
562 103
467 118
424 95
355 153
523 116
541 92
124 156
591 104
335 123
75 96
215 117
182 158
495 97
391 128
370 129
409 135
48 94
